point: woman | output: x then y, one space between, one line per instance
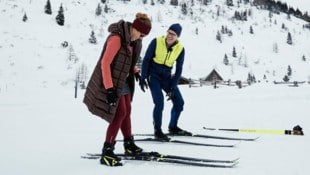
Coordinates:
111 87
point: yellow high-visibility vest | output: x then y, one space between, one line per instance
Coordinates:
163 55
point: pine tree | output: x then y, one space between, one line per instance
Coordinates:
289 39
244 16
253 79
229 3
223 30
218 11
237 15
174 2
106 8
184 9
229 32
289 71
103 1
283 26
225 60
270 14
48 8
304 58
92 38
162 1
60 18
25 18
98 10
251 30
219 36
250 79
234 54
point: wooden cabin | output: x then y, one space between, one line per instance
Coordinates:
213 76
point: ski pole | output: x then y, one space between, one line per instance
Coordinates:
297 130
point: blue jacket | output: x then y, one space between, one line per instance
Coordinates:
162 72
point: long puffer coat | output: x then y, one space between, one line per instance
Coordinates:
122 70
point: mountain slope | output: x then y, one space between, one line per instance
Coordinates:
33 48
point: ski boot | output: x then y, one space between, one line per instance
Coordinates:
130 146
108 157
178 131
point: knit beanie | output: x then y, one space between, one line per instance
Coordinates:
141 26
177 28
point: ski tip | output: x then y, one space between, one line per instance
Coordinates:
212 129
236 159
256 138
89 157
230 165
234 164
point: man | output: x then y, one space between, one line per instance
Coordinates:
157 64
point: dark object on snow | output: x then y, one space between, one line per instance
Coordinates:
65 44
297 130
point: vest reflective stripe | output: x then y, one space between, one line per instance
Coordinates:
163 56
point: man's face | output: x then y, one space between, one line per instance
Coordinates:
171 37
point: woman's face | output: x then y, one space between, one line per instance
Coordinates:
135 34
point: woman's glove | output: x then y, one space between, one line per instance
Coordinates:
111 96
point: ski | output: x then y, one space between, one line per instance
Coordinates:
194 159
157 157
224 138
207 136
183 142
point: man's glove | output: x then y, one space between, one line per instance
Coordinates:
111 97
170 94
137 76
142 83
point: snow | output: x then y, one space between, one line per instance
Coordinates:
45 130
48 134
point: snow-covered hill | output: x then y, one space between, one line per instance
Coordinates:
33 48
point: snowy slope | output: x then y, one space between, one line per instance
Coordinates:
34 47
44 130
